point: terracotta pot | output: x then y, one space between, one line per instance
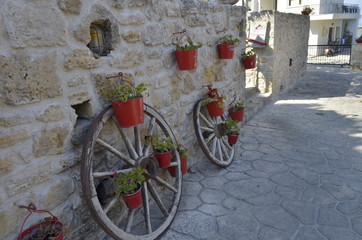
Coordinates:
172 170
249 62
129 113
163 159
133 200
232 139
214 109
226 51
186 59
32 231
237 115
358 40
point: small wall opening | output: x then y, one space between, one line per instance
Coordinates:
100 32
83 110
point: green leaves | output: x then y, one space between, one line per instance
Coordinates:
163 144
228 39
189 46
125 92
237 106
232 127
127 182
249 54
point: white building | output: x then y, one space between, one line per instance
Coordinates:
332 21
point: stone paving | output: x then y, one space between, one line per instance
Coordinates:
297 173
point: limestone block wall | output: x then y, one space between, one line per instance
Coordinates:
284 60
356 57
50 83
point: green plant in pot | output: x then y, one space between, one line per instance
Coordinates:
127 103
214 104
183 157
162 147
186 55
129 184
226 46
249 59
236 111
307 10
232 130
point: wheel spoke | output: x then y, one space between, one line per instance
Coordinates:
109 173
213 146
115 151
130 219
226 144
110 205
126 140
206 129
208 123
151 127
137 140
157 199
146 207
166 184
219 150
224 150
212 135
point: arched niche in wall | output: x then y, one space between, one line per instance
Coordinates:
101 37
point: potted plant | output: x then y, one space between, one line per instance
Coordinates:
249 59
359 40
127 104
307 10
236 111
232 130
47 228
186 55
214 104
183 155
129 185
226 46
162 148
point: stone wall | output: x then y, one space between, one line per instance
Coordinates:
356 56
283 61
50 83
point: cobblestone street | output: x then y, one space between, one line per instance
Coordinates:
297 173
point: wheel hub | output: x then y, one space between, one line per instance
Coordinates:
150 164
219 130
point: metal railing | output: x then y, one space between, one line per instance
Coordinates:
335 8
329 54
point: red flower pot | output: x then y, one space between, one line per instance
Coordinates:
186 59
226 51
163 159
359 40
172 170
249 62
237 115
214 109
133 200
129 113
32 231
232 139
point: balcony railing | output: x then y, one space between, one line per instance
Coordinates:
335 8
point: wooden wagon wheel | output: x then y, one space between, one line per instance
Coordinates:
211 136
110 148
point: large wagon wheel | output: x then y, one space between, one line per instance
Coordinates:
107 150
210 133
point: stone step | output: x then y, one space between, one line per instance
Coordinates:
255 103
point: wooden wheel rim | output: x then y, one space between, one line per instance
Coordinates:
89 189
